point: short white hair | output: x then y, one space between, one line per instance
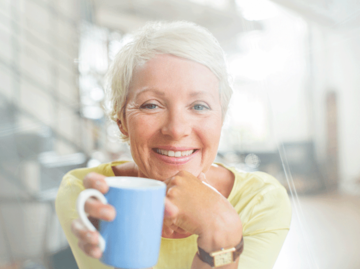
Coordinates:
182 39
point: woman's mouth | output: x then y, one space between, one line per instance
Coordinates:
176 154
175 157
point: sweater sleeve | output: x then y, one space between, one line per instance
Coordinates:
266 229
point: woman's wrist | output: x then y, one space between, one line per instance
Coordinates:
223 234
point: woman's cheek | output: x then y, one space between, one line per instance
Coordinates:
210 136
211 126
144 125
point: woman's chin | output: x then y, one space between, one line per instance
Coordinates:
164 174
160 170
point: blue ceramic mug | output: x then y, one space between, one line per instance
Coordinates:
132 239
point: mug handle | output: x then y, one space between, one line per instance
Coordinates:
80 203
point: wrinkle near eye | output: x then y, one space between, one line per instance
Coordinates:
131 108
131 105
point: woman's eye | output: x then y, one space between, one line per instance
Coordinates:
200 107
149 106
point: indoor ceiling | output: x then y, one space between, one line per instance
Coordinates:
128 15
225 22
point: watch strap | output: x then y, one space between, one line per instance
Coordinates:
205 257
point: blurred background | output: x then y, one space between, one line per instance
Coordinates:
295 67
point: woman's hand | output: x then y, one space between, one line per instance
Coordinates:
198 209
89 240
169 226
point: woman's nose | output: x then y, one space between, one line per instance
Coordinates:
176 125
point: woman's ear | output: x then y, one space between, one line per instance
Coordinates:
122 128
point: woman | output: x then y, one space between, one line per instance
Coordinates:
169 95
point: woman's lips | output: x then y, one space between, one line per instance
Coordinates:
172 159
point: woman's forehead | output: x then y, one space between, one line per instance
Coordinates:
167 72
163 93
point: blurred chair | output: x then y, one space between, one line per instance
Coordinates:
301 160
64 259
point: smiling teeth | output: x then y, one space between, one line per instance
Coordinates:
171 153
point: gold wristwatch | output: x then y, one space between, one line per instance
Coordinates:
222 256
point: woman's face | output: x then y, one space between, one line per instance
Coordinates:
173 117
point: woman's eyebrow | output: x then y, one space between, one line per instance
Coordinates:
162 93
204 93
199 93
146 89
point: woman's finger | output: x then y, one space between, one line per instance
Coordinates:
98 210
173 226
170 223
170 228
96 181
167 231
90 250
180 231
77 227
171 210
83 234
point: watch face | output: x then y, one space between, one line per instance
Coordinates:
223 258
